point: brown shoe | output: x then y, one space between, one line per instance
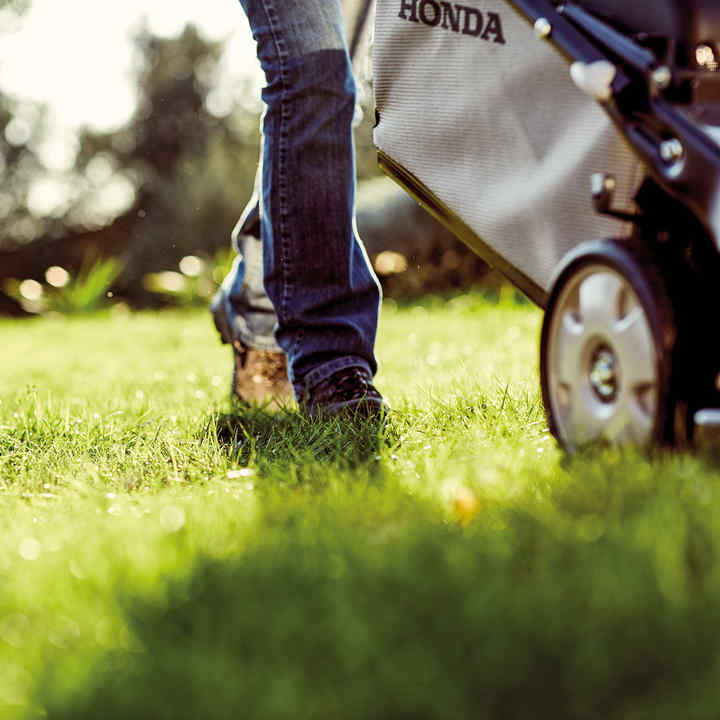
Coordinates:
260 377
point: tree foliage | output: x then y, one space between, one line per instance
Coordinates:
183 171
172 182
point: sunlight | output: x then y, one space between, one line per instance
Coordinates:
85 72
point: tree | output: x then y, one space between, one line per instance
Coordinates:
182 170
173 181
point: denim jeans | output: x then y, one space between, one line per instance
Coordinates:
318 280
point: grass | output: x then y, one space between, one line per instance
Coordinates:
166 557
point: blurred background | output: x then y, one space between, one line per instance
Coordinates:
129 137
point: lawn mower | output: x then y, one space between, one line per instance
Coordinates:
575 147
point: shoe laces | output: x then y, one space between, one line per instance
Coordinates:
271 365
351 383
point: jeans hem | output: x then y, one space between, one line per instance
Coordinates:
229 322
257 342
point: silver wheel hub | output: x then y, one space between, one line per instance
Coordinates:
601 361
603 374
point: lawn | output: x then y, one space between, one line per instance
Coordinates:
166 555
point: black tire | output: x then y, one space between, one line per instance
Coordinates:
608 399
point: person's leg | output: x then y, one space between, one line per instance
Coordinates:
245 318
316 271
249 310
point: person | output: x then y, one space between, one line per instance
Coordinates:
301 311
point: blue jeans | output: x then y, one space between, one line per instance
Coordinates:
318 280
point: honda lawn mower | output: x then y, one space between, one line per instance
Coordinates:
575 147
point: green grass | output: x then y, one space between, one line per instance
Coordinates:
166 557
